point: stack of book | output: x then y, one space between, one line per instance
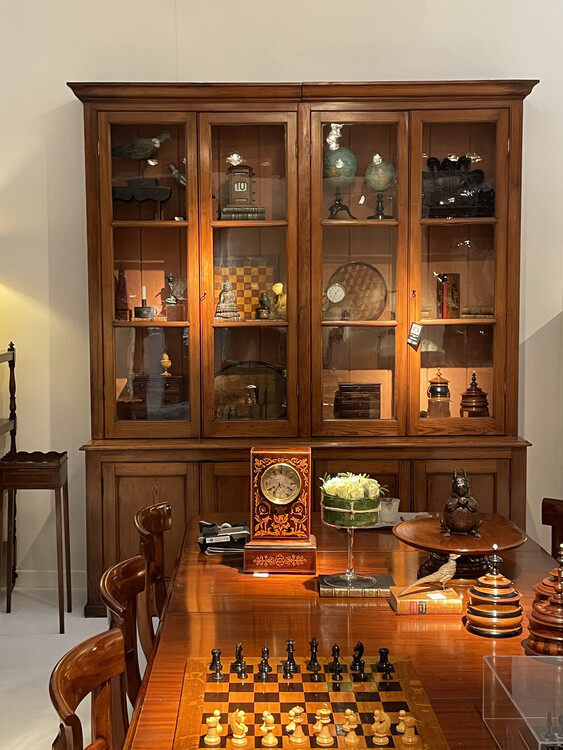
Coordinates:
357 401
243 213
425 601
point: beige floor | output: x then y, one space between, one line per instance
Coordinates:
30 646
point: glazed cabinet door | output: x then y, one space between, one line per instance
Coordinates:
359 190
459 266
149 306
249 273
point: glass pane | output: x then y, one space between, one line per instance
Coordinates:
458 271
148 172
253 262
359 272
359 171
250 373
358 372
458 169
151 262
249 172
450 354
151 373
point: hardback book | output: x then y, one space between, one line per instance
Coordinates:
425 601
379 591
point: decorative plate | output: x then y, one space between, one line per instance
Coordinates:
366 291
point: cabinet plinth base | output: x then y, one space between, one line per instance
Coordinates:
279 556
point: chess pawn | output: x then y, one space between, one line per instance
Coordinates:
267 729
401 725
214 729
409 737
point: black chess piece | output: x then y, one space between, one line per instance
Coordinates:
235 666
335 656
263 670
358 654
361 671
287 671
265 658
242 674
216 660
337 672
384 663
313 647
290 661
316 668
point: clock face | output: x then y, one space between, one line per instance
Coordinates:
336 292
280 483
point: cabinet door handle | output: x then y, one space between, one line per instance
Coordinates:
413 293
203 296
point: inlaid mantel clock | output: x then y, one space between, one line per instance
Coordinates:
280 513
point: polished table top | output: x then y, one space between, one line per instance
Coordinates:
212 603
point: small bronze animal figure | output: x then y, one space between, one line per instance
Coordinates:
439 577
460 511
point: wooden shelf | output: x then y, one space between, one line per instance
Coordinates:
362 323
248 223
250 324
459 220
153 223
156 323
359 222
457 321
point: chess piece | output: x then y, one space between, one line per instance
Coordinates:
237 723
357 656
166 364
298 737
361 674
351 721
279 308
235 666
242 673
267 729
214 729
401 723
380 726
441 576
409 737
227 303
313 647
291 663
384 665
263 311
324 737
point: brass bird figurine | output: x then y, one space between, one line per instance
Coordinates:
440 576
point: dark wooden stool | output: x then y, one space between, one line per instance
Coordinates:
38 471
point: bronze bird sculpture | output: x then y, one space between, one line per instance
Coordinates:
440 576
141 149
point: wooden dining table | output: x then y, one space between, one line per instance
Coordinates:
212 603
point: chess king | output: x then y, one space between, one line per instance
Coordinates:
280 522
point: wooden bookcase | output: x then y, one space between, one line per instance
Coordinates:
341 215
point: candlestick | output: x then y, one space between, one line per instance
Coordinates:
144 296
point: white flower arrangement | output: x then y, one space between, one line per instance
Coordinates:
350 486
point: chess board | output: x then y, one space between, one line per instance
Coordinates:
249 275
202 694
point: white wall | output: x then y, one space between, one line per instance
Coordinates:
43 286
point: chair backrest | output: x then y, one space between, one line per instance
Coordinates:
123 591
151 523
552 515
96 667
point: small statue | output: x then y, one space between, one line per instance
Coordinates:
279 310
460 511
264 308
166 364
227 304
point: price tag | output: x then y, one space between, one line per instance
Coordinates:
413 339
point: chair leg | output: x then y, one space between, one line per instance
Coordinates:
66 526
58 514
10 550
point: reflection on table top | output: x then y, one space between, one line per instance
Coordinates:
212 603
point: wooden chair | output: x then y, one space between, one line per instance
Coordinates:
552 515
123 591
151 523
96 667
35 471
